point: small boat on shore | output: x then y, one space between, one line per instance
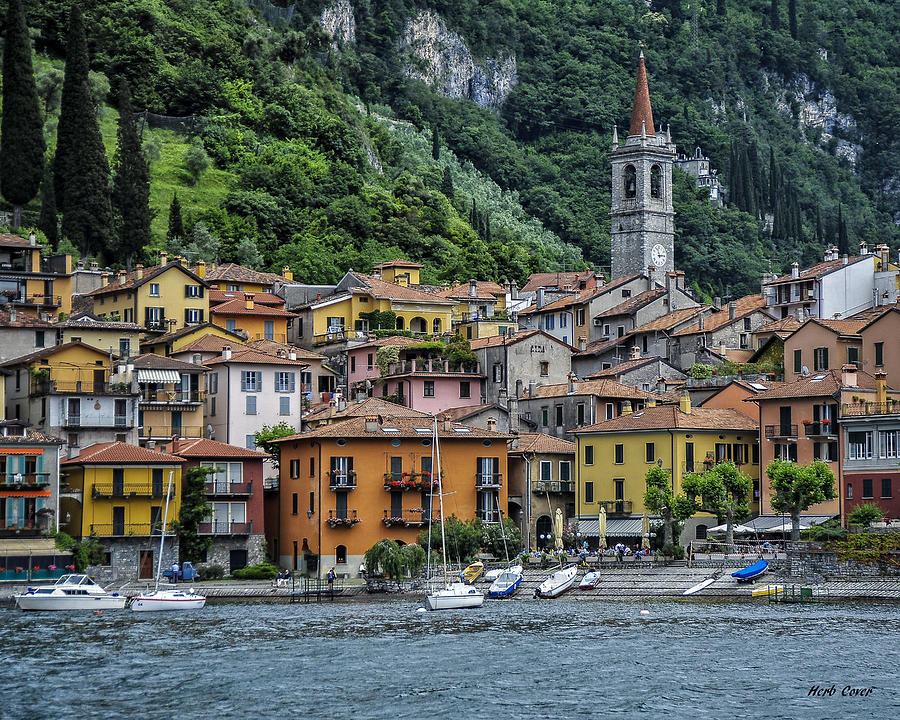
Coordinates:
766 590
472 573
70 592
507 583
702 585
558 582
748 573
590 580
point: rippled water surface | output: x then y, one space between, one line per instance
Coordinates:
512 659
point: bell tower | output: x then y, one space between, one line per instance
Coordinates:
643 218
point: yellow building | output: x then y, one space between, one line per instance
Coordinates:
172 398
613 458
121 338
347 313
176 341
255 320
117 492
163 298
231 277
480 309
36 286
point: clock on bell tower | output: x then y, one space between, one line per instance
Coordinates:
643 217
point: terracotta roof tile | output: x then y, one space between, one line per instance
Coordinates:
119 453
782 327
209 343
543 444
633 303
23 321
622 367
205 448
670 320
177 334
249 356
259 298
824 384
392 291
238 306
746 305
152 361
483 291
50 351
459 414
641 112
498 340
556 280
132 281
665 417
405 428
601 388
274 348
399 262
7 240
369 406
89 321
238 273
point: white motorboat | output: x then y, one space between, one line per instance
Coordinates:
507 583
492 575
558 582
453 594
590 580
70 592
167 599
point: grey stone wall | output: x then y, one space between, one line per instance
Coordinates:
812 560
125 558
220 551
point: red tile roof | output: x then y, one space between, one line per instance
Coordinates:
50 351
238 306
23 321
483 291
622 367
392 291
666 417
670 320
152 361
7 240
210 343
405 428
132 281
542 444
817 271
556 280
745 306
248 356
274 348
823 384
641 112
369 406
601 388
782 328
633 303
260 298
119 453
238 273
500 340
205 448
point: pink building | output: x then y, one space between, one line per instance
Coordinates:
362 360
432 385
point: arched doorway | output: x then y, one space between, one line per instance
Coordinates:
401 323
700 532
436 326
418 325
543 531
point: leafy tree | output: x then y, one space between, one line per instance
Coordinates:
22 127
864 514
247 254
796 488
81 172
193 511
176 224
200 244
196 160
501 543
131 184
724 491
463 538
826 531
459 352
661 500
48 222
774 19
85 552
384 558
265 439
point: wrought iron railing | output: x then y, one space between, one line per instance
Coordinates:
783 430
216 487
616 507
224 527
488 480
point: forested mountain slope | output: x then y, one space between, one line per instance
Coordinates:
795 101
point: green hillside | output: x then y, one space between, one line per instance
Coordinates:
320 180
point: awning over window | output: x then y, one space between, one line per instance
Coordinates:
162 377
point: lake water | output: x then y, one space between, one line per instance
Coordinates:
523 658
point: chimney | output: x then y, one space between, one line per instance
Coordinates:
881 389
670 282
684 402
513 406
626 407
122 275
473 288
13 314
32 239
717 301
848 376
540 298
582 342
175 446
531 388
651 275
660 386
651 402
104 279
248 297
163 257
701 324
371 424
795 270
635 353
571 378
292 353
722 349
95 266
287 273
492 424
679 279
139 272
226 352
446 423
844 259
514 290
863 247
183 261
200 269
732 310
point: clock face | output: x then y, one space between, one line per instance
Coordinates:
658 255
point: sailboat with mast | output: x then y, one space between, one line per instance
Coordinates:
167 599
455 594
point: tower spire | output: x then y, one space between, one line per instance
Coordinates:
642 113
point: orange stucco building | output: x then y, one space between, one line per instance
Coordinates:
364 479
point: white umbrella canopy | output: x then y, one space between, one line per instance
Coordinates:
736 529
645 532
602 523
784 527
558 528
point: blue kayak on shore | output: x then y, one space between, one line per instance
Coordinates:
748 573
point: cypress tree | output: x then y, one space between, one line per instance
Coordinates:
131 184
435 143
447 184
81 171
792 18
48 221
720 8
843 240
773 16
176 225
22 142
820 235
773 179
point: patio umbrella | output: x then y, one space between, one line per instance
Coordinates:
786 526
602 531
558 528
645 532
736 529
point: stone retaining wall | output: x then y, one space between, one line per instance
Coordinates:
814 560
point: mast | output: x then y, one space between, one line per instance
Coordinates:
428 575
437 454
162 539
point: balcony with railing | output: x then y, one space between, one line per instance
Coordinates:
616 507
821 429
342 518
433 366
25 481
488 516
126 490
120 422
342 480
42 386
225 527
783 431
37 300
553 486
859 409
404 481
484 481
408 518
127 529
215 487
165 432
172 397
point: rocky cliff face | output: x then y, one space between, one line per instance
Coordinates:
441 58
338 21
